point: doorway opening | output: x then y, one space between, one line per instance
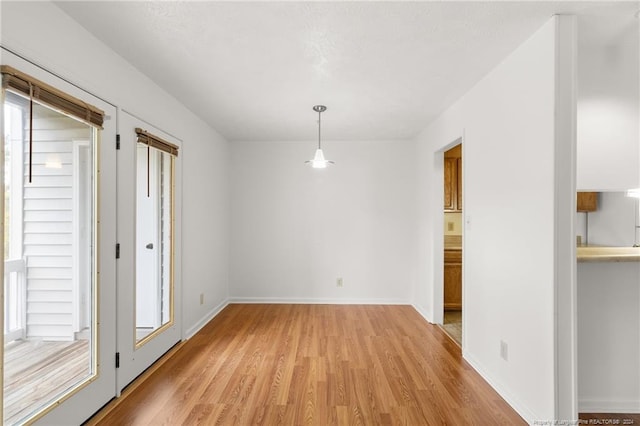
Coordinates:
452 285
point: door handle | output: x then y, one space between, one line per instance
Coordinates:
149 246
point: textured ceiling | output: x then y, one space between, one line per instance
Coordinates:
253 70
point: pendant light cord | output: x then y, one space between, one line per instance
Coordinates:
319 128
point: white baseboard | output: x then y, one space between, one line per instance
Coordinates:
424 313
204 320
503 391
318 301
631 406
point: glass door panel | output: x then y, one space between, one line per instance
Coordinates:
153 240
59 304
148 283
50 280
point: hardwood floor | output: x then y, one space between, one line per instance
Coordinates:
314 364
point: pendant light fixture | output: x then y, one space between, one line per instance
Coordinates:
318 161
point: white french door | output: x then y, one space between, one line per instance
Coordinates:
149 317
59 288
72 205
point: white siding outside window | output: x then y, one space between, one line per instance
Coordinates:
52 299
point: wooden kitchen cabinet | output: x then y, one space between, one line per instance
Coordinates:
587 202
453 180
452 280
450 184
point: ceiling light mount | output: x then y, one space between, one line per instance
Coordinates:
318 161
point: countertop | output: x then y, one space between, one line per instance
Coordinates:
583 253
607 254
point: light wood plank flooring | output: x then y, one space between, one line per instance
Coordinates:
314 364
36 370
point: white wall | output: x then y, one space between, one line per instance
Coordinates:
608 106
295 229
510 145
609 313
608 159
613 224
69 51
609 337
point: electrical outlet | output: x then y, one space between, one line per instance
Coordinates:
339 282
202 298
504 350
449 226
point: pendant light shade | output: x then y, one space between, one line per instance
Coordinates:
319 161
